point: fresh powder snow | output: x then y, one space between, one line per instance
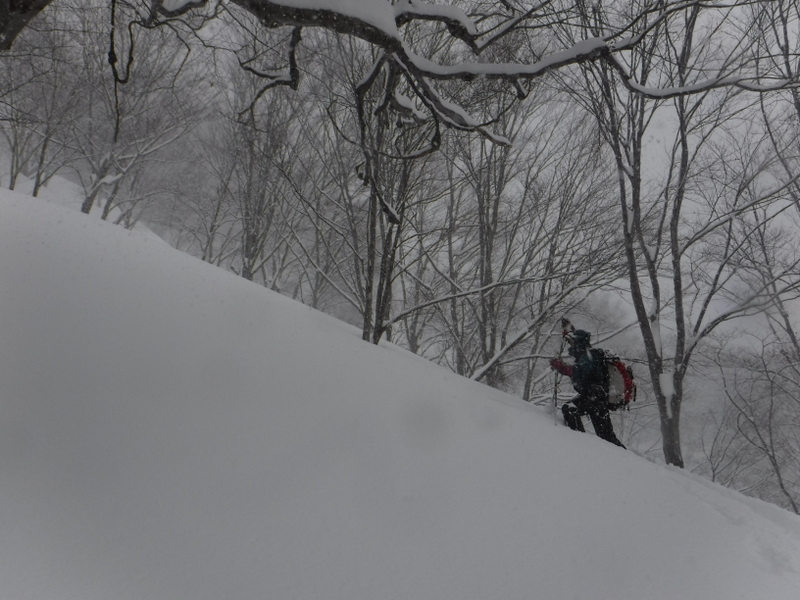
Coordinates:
169 431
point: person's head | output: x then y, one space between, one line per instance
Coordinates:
579 342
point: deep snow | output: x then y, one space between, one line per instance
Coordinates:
169 431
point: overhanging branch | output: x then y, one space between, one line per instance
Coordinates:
379 22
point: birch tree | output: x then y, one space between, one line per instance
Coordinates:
392 28
761 386
677 220
130 111
40 101
638 60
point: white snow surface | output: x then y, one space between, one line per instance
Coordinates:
169 431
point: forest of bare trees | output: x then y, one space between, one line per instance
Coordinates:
459 183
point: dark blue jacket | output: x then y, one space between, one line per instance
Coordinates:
590 374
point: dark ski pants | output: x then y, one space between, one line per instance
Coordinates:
598 413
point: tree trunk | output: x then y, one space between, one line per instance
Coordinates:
671 429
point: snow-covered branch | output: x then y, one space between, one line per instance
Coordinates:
546 313
463 294
386 25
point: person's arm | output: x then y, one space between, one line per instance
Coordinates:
559 365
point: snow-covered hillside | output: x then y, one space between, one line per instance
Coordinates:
169 431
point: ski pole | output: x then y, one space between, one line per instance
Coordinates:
566 327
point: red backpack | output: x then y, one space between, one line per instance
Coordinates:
621 386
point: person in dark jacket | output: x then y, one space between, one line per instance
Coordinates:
589 374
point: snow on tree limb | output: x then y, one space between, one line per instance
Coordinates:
384 24
521 336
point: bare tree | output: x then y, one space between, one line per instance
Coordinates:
128 114
428 67
762 388
677 219
393 29
729 459
41 97
506 248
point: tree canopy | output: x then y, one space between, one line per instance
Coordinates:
557 33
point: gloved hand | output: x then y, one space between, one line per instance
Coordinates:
559 365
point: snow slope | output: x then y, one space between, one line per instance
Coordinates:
169 431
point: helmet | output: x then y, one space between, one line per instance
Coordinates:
580 337
578 343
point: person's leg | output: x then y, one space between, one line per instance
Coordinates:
603 427
572 416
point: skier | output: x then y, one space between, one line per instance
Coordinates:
589 375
